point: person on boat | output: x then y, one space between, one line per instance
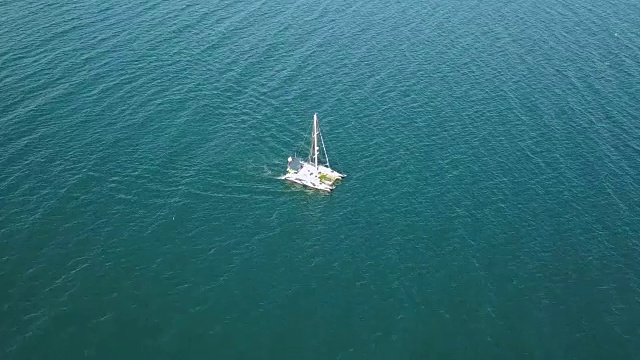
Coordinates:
293 164
289 169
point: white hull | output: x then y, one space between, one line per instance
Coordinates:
309 178
326 171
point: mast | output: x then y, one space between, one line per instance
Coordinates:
311 146
315 139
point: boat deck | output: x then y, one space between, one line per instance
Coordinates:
308 176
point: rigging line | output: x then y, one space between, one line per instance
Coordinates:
311 150
326 157
303 143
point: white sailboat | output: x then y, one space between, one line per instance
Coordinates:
313 173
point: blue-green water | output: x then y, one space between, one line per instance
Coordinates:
491 208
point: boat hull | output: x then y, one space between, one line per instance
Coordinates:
317 185
326 171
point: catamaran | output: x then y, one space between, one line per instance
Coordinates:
313 173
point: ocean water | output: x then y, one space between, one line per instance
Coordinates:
491 208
